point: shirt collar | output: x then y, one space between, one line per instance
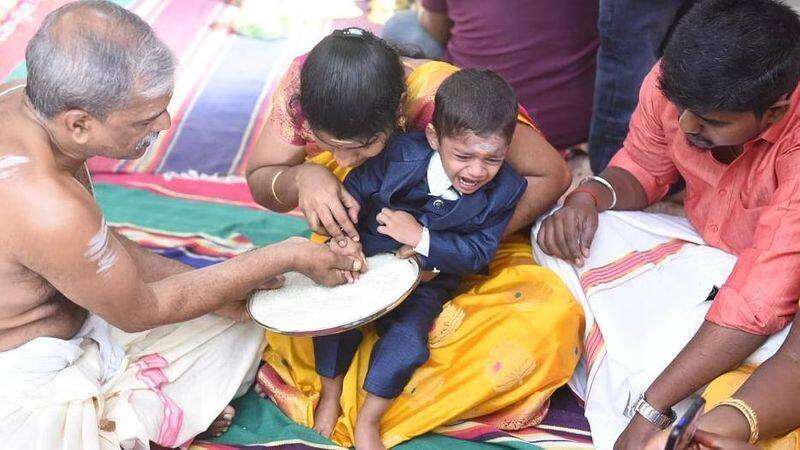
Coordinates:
438 181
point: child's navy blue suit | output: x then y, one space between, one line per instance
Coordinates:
464 235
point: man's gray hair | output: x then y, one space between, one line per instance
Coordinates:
96 56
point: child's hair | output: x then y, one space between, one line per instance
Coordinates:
475 101
732 55
351 85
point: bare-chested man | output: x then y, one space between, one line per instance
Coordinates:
77 368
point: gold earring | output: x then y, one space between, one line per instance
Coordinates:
401 123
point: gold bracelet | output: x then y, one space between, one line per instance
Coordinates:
748 414
274 179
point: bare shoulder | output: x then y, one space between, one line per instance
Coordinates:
53 228
43 204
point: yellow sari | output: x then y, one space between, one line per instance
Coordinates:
500 347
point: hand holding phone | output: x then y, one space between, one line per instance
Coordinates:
682 433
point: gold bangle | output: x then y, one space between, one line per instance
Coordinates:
748 413
275 194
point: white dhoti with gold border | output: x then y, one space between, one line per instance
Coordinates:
645 291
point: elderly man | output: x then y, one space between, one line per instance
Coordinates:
78 367
672 303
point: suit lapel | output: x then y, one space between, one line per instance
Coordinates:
402 174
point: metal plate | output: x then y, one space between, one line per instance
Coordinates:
345 326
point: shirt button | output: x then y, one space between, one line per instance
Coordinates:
714 228
722 192
438 203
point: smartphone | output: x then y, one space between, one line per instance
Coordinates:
682 433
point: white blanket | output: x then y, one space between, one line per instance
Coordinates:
106 389
644 290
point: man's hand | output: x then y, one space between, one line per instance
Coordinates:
400 226
712 351
703 440
638 432
568 232
319 263
349 247
237 310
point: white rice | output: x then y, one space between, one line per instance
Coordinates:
302 306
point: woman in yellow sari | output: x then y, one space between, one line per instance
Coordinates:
506 342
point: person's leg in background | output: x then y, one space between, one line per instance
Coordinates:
404 28
632 35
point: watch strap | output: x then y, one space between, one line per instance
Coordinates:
653 415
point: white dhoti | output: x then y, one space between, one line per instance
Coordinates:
106 389
644 290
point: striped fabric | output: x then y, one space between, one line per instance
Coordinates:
222 83
596 278
265 428
222 88
196 232
609 276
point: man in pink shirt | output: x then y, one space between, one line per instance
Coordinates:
721 111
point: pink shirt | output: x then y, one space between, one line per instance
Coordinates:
750 208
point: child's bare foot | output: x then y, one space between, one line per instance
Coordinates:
327 414
368 424
328 410
221 424
368 435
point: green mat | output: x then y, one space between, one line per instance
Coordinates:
143 209
260 423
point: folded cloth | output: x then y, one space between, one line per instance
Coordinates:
107 389
39 360
645 291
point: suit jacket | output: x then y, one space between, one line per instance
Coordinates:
464 233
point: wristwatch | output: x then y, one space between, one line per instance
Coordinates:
653 415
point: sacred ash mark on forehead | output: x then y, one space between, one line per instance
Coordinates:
10 164
100 251
486 146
